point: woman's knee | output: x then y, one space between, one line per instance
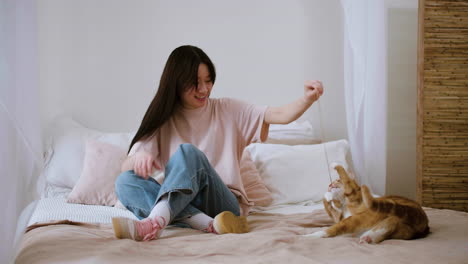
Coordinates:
188 148
124 179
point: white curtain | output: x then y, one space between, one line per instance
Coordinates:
366 88
20 139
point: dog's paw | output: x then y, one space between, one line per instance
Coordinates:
328 196
333 165
318 234
365 239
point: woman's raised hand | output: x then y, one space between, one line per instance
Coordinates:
312 90
145 164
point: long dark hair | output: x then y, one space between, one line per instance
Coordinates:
180 74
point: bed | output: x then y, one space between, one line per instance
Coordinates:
63 232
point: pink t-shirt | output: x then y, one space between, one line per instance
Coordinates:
221 129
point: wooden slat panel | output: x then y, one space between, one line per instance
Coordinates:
443 104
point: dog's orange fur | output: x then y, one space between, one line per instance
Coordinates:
383 218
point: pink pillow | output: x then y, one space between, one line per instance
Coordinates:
255 188
101 167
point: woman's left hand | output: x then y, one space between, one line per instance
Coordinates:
312 90
287 113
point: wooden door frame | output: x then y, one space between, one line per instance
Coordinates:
420 106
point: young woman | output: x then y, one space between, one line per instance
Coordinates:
198 142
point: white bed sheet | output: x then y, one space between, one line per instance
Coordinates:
50 209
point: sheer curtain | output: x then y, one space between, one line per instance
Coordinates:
366 88
20 139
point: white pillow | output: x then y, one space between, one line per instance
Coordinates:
295 133
298 173
67 141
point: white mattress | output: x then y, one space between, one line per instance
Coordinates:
49 209
303 207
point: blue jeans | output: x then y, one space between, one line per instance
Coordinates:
192 186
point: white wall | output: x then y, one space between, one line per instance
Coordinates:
100 61
402 98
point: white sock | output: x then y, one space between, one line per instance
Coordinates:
162 209
199 221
